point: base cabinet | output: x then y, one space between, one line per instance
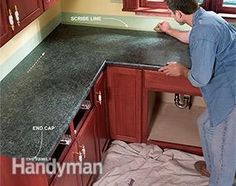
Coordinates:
69 178
124 103
119 111
101 114
86 143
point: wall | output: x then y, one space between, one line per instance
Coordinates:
108 13
24 42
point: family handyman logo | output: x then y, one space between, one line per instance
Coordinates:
24 167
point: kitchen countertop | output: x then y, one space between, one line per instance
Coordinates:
48 86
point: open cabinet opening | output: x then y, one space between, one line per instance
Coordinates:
170 124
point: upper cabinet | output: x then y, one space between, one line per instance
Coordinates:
24 12
5 29
16 15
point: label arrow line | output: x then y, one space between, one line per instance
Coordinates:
111 18
40 147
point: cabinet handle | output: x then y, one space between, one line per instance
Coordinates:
83 151
17 16
11 21
79 155
99 97
82 147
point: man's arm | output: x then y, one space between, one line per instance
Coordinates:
180 35
203 62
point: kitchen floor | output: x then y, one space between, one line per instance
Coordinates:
139 164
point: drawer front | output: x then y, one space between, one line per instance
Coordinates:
160 82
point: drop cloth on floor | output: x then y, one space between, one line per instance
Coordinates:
138 164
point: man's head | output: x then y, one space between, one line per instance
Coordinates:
181 8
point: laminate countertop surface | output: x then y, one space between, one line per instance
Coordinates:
49 85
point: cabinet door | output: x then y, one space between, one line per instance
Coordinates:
86 141
5 29
28 10
101 115
124 103
70 178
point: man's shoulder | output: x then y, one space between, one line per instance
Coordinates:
208 26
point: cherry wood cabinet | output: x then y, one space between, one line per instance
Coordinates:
5 31
69 179
101 114
84 150
124 103
16 15
28 10
86 143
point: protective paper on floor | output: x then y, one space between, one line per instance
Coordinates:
148 165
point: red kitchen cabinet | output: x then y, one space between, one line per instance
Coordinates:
101 114
5 30
28 10
124 103
21 13
69 179
86 143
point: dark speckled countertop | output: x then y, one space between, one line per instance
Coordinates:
48 86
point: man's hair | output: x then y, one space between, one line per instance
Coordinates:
185 6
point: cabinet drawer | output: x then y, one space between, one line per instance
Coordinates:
161 82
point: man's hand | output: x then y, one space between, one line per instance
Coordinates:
163 27
174 69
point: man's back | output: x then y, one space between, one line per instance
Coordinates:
213 53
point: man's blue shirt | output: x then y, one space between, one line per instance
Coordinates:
212 45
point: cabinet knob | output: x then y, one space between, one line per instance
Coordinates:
10 19
17 16
99 97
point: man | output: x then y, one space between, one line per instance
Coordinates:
212 44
